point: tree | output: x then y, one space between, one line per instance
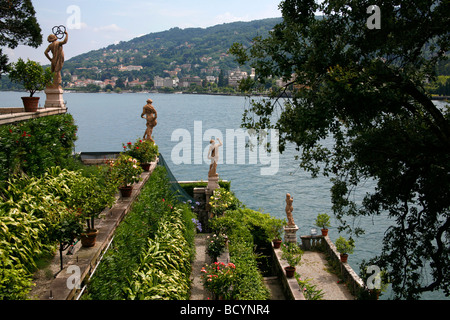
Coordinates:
18 25
363 87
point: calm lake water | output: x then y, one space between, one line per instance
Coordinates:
106 121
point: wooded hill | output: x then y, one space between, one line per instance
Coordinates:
196 51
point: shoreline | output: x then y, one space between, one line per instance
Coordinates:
433 98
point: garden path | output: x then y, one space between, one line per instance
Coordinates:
314 267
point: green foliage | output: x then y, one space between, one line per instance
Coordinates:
33 146
219 279
292 253
323 221
31 75
125 170
145 151
36 213
154 246
223 200
310 291
215 245
363 89
18 25
344 246
245 229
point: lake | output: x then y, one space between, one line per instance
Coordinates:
186 123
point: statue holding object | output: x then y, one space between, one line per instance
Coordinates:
56 48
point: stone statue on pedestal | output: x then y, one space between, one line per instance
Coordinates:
57 59
290 231
54 92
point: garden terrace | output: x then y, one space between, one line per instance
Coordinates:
87 259
13 115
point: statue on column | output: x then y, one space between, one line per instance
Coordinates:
56 48
213 154
289 209
149 113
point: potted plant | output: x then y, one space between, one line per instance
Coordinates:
344 247
323 222
33 77
125 171
292 253
275 231
145 151
68 228
92 198
216 245
218 278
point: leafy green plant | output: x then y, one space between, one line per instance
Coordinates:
216 245
344 246
145 151
276 228
31 75
125 170
323 221
292 253
310 291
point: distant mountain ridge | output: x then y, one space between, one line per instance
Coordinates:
175 52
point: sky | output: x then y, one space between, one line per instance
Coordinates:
93 25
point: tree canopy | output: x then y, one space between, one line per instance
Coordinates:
364 87
18 25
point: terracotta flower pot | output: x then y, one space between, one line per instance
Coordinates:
88 238
324 232
290 271
126 191
30 103
276 243
344 257
145 166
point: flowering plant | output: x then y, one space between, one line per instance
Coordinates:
143 150
218 278
216 245
221 201
125 170
292 253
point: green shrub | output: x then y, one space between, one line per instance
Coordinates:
35 145
244 229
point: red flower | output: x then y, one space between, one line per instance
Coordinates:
129 143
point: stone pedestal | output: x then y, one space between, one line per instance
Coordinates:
54 98
290 234
213 183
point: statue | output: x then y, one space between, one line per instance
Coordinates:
56 47
149 113
289 209
213 154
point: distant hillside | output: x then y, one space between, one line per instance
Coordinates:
176 52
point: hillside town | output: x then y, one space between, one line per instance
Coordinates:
170 79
